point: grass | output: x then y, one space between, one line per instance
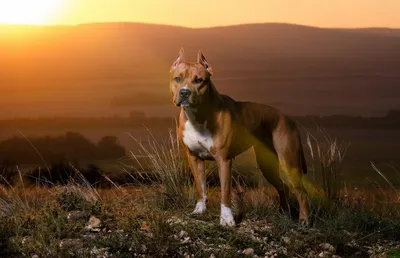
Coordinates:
154 220
134 221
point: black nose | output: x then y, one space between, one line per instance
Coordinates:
184 93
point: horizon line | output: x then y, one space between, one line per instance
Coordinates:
193 28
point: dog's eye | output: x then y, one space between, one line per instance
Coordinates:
198 80
177 79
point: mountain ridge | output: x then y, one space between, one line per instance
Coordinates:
94 64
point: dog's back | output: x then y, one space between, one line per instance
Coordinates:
261 124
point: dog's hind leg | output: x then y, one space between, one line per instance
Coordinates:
293 175
268 163
288 148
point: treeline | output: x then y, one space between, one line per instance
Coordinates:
135 119
69 147
64 173
390 121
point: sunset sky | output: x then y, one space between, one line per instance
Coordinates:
205 13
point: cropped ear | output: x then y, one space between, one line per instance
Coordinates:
203 61
179 59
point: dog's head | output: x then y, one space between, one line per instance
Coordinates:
190 82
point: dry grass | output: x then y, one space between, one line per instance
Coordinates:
37 220
154 220
165 160
327 155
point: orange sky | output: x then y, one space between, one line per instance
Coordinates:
206 13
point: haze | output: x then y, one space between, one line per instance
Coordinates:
208 13
105 72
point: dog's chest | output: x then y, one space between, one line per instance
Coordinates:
198 139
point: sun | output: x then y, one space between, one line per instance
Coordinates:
28 11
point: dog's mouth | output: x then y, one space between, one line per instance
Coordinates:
184 103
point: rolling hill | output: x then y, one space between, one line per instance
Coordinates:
102 69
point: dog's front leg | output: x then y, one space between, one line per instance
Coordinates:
199 174
225 177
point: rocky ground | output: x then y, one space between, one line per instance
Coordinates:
185 236
80 222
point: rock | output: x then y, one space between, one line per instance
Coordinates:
93 224
327 247
186 240
67 244
183 234
212 256
100 252
286 240
321 254
35 256
77 215
248 252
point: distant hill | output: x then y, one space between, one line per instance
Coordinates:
95 68
380 31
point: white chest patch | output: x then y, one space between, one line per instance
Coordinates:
198 139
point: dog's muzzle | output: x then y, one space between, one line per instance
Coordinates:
184 98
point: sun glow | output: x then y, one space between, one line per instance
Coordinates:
28 11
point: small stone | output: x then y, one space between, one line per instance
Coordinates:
183 234
35 256
248 252
286 240
100 252
93 224
321 254
212 256
327 247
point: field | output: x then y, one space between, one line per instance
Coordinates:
149 222
379 146
153 220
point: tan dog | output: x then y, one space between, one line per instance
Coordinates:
215 127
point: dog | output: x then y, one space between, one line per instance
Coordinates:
215 127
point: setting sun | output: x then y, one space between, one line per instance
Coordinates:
28 11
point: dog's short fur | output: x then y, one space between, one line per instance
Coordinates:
213 126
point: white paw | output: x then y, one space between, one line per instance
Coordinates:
226 216
200 208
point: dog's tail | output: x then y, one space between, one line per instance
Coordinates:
303 161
